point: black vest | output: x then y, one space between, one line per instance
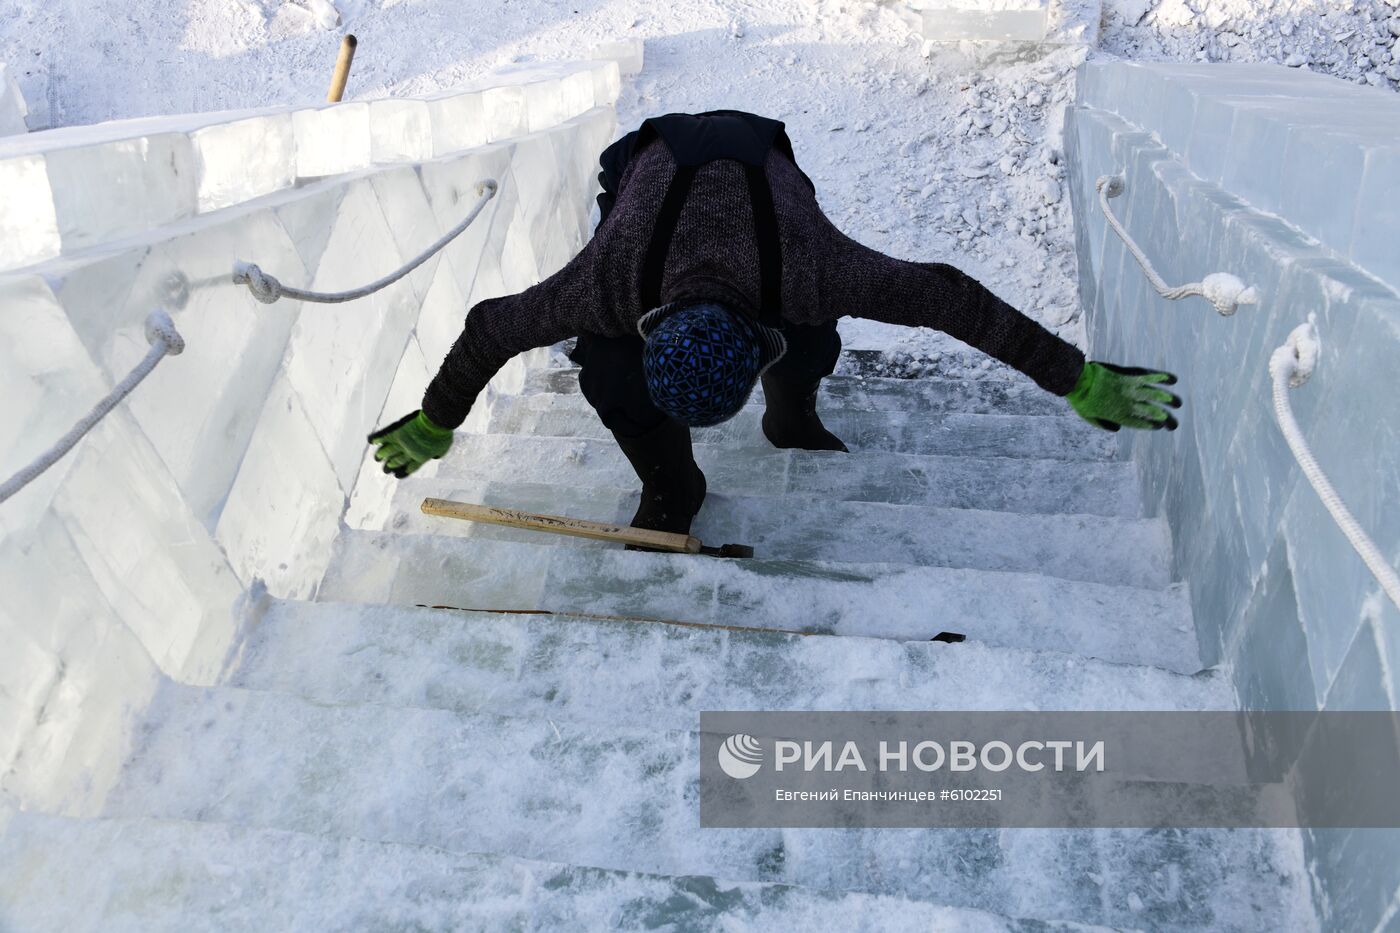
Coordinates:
695 140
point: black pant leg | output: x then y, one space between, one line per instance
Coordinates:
812 352
790 418
612 379
658 447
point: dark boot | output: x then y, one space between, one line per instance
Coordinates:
673 488
791 419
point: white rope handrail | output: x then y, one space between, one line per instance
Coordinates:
267 289
1221 289
1290 366
165 341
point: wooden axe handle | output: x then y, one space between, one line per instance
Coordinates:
342 70
560 525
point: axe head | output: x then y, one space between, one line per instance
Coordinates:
728 550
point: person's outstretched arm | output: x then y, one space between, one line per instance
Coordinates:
863 282
499 328
496 330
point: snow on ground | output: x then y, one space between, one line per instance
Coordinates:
916 149
1351 39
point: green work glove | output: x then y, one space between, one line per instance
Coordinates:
408 443
1118 396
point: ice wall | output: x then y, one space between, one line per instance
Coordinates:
983 20
13 109
230 469
80 186
1287 180
1053 22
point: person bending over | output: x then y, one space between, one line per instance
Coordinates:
713 269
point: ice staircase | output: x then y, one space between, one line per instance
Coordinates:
376 764
524 756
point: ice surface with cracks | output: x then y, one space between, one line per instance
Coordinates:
144 875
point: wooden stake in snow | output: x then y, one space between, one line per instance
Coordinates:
342 69
581 528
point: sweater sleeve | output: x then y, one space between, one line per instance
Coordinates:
862 282
499 328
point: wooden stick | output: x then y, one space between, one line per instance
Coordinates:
949 638
560 525
342 69
637 619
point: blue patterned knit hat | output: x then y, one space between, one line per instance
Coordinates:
701 362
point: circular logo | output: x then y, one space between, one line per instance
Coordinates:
740 756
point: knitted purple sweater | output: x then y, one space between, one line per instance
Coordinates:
713 256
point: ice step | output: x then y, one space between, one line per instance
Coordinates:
644 674
992 395
913 431
529 787
1101 549
1001 484
154 875
1129 625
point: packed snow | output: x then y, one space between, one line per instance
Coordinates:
1351 39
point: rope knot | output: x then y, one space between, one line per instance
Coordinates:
1227 292
264 287
1224 291
160 329
1297 357
1111 185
